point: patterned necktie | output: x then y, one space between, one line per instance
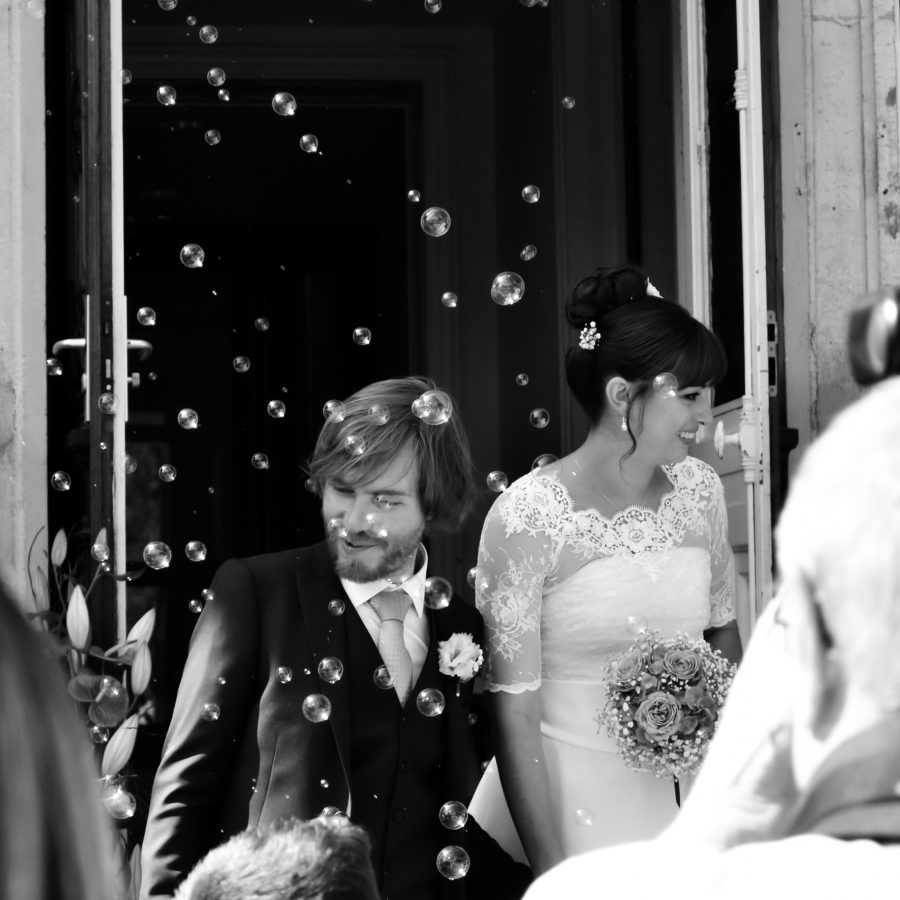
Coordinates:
391 607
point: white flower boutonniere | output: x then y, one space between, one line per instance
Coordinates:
459 656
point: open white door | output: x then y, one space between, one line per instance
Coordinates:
738 444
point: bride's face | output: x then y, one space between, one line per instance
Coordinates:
667 426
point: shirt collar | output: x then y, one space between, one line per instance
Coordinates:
362 592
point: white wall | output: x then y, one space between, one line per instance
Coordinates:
840 188
23 373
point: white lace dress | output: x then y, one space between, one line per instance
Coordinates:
559 588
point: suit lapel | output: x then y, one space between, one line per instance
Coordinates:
326 634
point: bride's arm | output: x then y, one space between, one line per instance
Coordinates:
523 774
515 556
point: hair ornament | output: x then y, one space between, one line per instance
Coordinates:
589 336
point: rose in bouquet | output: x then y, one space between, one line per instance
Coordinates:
662 702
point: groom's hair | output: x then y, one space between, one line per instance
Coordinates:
839 533
445 474
322 859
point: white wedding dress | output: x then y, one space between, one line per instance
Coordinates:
561 591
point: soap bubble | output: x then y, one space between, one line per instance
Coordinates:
212 137
276 409
107 403
130 464
329 812
54 367
195 551
430 702
99 734
191 20
100 551
337 527
497 481
118 802
241 363
35 9
207 595
545 459
453 862
216 76
330 669
325 783
224 94
665 385
584 817
437 592
188 419
211 712
433 407
568 102
157 555
261 324
309 143
317 708
453 815
195 606
209 34
477 579
146 315
167 4
362 337
61 481
383 678
333 411
354 445
636 624
449 299
167 472
413 196
284 103
336 607
378 414
539 417
125 76
192 255
531 193
435 221
508 288
522 379
284 674
433 6
259 461
528 252
165 93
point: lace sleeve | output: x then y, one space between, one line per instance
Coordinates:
721 592
515 557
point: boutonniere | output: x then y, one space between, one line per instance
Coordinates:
459 657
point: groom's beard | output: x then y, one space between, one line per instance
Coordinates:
379 559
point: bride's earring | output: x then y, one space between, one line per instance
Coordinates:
624 425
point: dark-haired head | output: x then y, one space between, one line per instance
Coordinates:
445 475
641 336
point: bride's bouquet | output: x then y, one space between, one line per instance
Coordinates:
662 702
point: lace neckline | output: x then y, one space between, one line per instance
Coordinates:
664 499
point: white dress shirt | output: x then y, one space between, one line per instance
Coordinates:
415 625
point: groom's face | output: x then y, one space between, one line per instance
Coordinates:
374 527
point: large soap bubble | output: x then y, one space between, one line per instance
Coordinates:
508 288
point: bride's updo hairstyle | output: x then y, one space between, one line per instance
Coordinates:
641 336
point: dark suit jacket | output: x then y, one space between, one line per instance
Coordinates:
240 753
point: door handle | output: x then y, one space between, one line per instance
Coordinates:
745 439
723 439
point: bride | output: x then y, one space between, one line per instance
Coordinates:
627 532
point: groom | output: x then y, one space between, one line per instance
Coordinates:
313 684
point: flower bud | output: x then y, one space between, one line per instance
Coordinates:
118 750
143 628
59 549
42 592
78 623
141 667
